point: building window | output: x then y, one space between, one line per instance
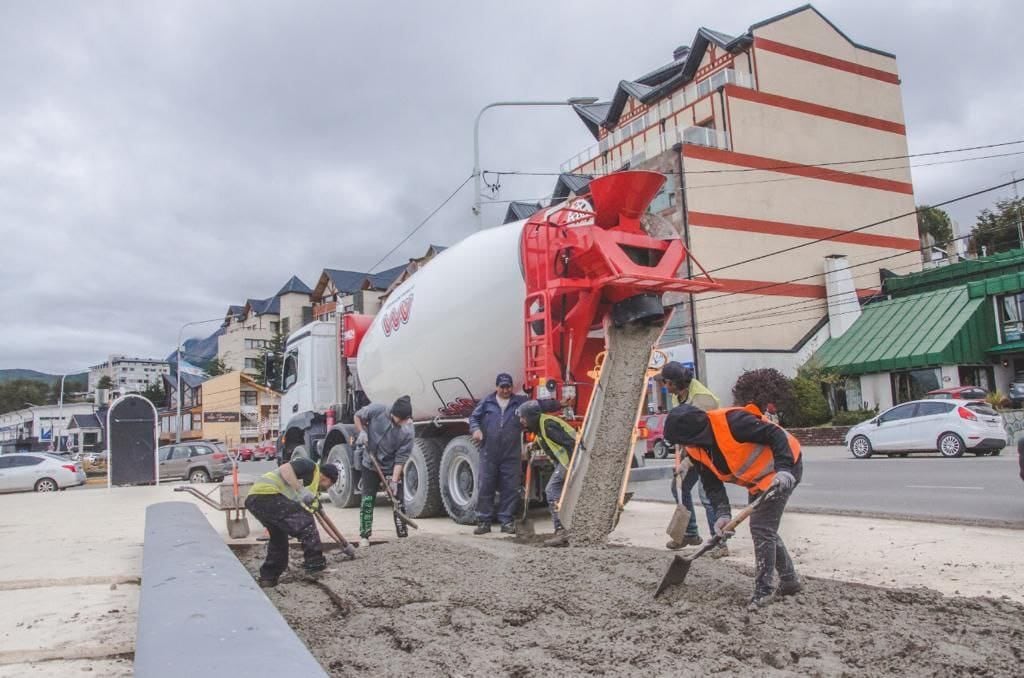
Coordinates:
1010 317
913 384
982 377
251 363
249 398
274 326
285 326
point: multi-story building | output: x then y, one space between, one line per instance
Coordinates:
191 408
785 152
40 427
237 410
250 329
128 375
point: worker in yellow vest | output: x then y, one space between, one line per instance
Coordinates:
284 501
558 440
738 445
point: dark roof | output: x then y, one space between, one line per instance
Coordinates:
665 79
192 380
519 210
294 286
84 421
234 311
346 282
383 280
271 305
579 184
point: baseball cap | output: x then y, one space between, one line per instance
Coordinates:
675 372
503 379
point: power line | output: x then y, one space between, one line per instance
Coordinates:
422 223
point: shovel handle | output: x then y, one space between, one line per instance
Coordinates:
745 512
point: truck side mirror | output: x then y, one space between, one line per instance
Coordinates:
270 371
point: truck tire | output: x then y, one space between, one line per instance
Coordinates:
421 481
459 476
343 493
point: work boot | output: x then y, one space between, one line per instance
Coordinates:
789 587
482 528
760 601
688 540
364 542
508 528
268 583
315 565
559 538
720 551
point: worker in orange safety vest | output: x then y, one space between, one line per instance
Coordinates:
738 445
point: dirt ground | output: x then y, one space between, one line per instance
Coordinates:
464 606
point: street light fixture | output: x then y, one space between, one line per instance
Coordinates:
177 366
571 101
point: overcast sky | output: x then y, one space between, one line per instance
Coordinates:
162 160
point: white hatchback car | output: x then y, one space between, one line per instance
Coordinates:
39 472
950 427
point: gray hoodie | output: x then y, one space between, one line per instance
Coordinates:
390 444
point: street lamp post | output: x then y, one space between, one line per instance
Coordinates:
60 409
572 101
177 367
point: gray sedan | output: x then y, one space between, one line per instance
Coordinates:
39 472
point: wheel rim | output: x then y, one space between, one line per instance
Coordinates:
460 481
660 451
860 447
411 481
198 477
949 446
47 486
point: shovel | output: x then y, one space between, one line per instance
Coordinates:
680 567
238 526
681 516
333 532
400 517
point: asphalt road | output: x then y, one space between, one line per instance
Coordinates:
986 490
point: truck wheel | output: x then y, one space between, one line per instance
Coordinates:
459 477
421 481
343 493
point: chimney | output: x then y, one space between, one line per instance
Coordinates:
679 52
843 305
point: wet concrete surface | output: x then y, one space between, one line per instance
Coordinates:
457 606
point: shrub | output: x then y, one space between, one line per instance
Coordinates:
763 386
852 417
811 408
997 400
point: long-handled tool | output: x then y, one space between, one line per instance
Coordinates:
333 532
526 527
238 524
681 516
680 566
400 516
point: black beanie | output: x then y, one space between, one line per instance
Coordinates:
329 470
684 425
402 408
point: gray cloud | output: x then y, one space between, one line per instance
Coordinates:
159 161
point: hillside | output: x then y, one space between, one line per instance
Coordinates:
12 374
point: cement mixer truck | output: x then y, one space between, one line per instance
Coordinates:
533 298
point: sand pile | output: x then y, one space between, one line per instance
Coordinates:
429 606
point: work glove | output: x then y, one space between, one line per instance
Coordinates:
784 482
360 440
306 497
720 524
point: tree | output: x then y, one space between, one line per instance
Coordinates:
15 394
274 356
811 408
996 231
155 393
105 382
763 386
215 367
936 223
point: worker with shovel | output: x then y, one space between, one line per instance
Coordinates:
386 433
558 440
680 382
284 500
736 445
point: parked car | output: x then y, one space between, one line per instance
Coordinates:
950 427
39 472
655 425
197 461
244 453
265 450
957 393
1016 391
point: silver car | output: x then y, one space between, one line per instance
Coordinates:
949 427
39 472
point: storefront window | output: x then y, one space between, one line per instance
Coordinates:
1010 316
982 377
913 384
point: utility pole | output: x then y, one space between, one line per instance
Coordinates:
1016 204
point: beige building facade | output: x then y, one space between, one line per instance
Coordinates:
237 410
249 330
782 147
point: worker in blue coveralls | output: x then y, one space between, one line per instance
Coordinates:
496 430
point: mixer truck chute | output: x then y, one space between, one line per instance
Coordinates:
531 298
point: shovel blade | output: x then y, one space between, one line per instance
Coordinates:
677 526
238 528
675 574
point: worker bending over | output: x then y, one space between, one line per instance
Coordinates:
283 500
735 445
386 433
680 382
558 440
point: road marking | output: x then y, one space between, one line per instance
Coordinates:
943 487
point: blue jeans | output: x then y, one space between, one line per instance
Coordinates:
553 492
692 478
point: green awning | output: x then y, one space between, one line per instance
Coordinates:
944 327
1009 347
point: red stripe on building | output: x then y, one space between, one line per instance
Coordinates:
796 169
825 60
767 287
814 109
730 223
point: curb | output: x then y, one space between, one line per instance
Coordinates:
201 614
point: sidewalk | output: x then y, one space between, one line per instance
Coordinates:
72 562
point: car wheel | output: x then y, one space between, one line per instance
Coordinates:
46 485
904 455
199 476
660 450
860 447
996 453
950 445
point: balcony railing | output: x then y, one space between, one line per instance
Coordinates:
663 109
